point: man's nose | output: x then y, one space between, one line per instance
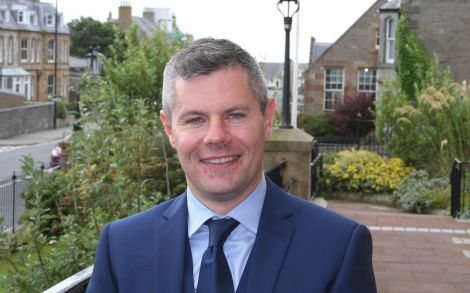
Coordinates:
217 133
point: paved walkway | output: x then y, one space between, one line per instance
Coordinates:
414 253
38 137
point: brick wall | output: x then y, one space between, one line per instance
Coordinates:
26 119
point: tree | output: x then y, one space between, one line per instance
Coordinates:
86 32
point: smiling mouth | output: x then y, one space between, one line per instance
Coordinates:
220 160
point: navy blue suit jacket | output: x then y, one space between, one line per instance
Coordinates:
299 247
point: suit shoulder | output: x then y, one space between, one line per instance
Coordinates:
152 215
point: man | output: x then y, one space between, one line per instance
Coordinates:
217 116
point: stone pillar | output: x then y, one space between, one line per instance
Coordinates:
295 146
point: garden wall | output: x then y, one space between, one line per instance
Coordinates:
26 119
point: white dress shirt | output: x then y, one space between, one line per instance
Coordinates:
238 245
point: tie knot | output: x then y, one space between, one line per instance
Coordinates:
219 230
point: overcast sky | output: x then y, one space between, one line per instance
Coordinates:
256 25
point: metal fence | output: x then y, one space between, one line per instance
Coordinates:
336 144
12 205
316 171
460 188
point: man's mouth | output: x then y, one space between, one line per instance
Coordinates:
221 160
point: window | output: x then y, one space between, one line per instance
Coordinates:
377 39
390 29
33 50
51 51
10 50
24 50
64 86
51 85
367 83
65 47
1 49
50 20
333 88
21 17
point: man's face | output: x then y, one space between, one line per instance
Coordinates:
219 131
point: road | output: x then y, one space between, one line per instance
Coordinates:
10 157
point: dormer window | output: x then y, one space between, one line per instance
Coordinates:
49 20
21 17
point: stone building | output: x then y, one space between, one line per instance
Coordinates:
32 55
364 56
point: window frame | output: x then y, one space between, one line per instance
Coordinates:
51 51
24 50
333 89
10 50
390 34
51 85
2 48
367 80
50 19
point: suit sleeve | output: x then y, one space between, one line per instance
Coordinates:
356 273
102 280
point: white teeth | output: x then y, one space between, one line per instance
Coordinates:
220 160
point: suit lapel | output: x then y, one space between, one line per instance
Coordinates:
272 241
170 241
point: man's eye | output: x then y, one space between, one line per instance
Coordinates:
194 120
236 116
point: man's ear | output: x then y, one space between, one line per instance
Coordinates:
269 113
167 127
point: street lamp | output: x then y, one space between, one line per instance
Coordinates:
284 7
93 65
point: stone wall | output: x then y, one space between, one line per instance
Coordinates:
443 27
26 119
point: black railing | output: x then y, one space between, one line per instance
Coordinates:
316 170
460 188
12 204
336 144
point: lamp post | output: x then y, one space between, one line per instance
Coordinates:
93 55
284 7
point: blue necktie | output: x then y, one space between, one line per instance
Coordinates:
214 275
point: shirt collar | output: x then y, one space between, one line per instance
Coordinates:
248 212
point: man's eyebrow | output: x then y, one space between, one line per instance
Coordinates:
238 108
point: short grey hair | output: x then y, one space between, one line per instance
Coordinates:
206 56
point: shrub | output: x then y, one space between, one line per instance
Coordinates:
316 124
353 116
419 193
61 109
364 171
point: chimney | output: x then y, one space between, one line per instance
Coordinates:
125 15
149 14
312 49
